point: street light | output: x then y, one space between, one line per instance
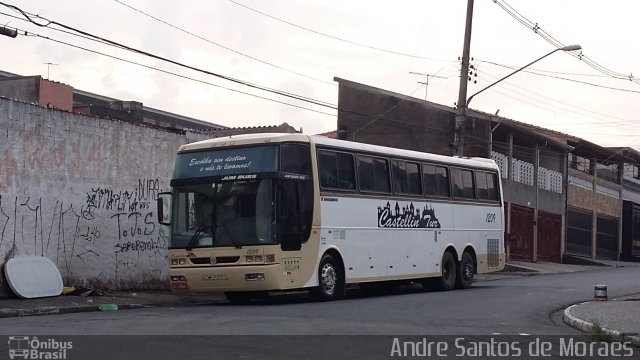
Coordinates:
461 115
566 48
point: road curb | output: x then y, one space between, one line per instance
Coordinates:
586 327
53 310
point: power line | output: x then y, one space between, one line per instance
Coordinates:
121 46
558 44
333 36
608 122
562 78
31 34
141 52
111 43
333 107
510 95
383 114
561 111
223 46
548 71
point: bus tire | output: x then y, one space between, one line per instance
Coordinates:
464 278
330 280
448 271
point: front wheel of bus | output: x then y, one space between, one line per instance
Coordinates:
330 280
449 270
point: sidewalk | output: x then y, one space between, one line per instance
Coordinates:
65 304
620 318
616 319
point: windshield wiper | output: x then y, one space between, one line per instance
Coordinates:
232 237
194 239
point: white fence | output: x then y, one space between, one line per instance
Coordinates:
523 171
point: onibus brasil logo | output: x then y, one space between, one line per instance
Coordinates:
32 348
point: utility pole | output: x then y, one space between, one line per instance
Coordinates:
461 110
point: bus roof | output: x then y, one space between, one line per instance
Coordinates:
261 138
244 139
389 151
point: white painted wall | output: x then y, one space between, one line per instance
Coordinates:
81 191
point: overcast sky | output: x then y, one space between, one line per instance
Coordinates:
234 41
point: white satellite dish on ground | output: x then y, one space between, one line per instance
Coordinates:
33 277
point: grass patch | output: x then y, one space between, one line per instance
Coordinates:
598 333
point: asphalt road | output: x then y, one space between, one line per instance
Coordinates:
516 306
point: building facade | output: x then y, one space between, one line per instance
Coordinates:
562 194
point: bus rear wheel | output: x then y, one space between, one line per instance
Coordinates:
330 280
464 278
449 270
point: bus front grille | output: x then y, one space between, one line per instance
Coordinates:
200 260
216 260
493 252
227 259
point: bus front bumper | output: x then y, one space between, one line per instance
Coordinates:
228 278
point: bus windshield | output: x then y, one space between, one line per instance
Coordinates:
234 213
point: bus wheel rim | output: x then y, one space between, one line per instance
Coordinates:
468 271
328 278
448 270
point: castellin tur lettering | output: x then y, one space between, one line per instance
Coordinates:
407 217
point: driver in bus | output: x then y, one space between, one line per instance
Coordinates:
228 209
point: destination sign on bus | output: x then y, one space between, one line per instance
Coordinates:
225 162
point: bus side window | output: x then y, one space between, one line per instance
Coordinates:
462 184
327 169
336 170
373 174
405 177
436 180
486 183
296 159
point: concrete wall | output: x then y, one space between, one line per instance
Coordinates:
376 116
81 191
586 199
56 95
525 195
25 88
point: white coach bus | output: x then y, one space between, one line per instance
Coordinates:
265 212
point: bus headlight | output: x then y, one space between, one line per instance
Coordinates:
249 258
257 258
178 261
271 258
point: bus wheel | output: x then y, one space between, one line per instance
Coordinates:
448 277
465 272
330 280
239 297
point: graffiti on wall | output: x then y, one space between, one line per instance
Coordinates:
107 232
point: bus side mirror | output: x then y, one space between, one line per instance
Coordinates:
289 216
164 208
